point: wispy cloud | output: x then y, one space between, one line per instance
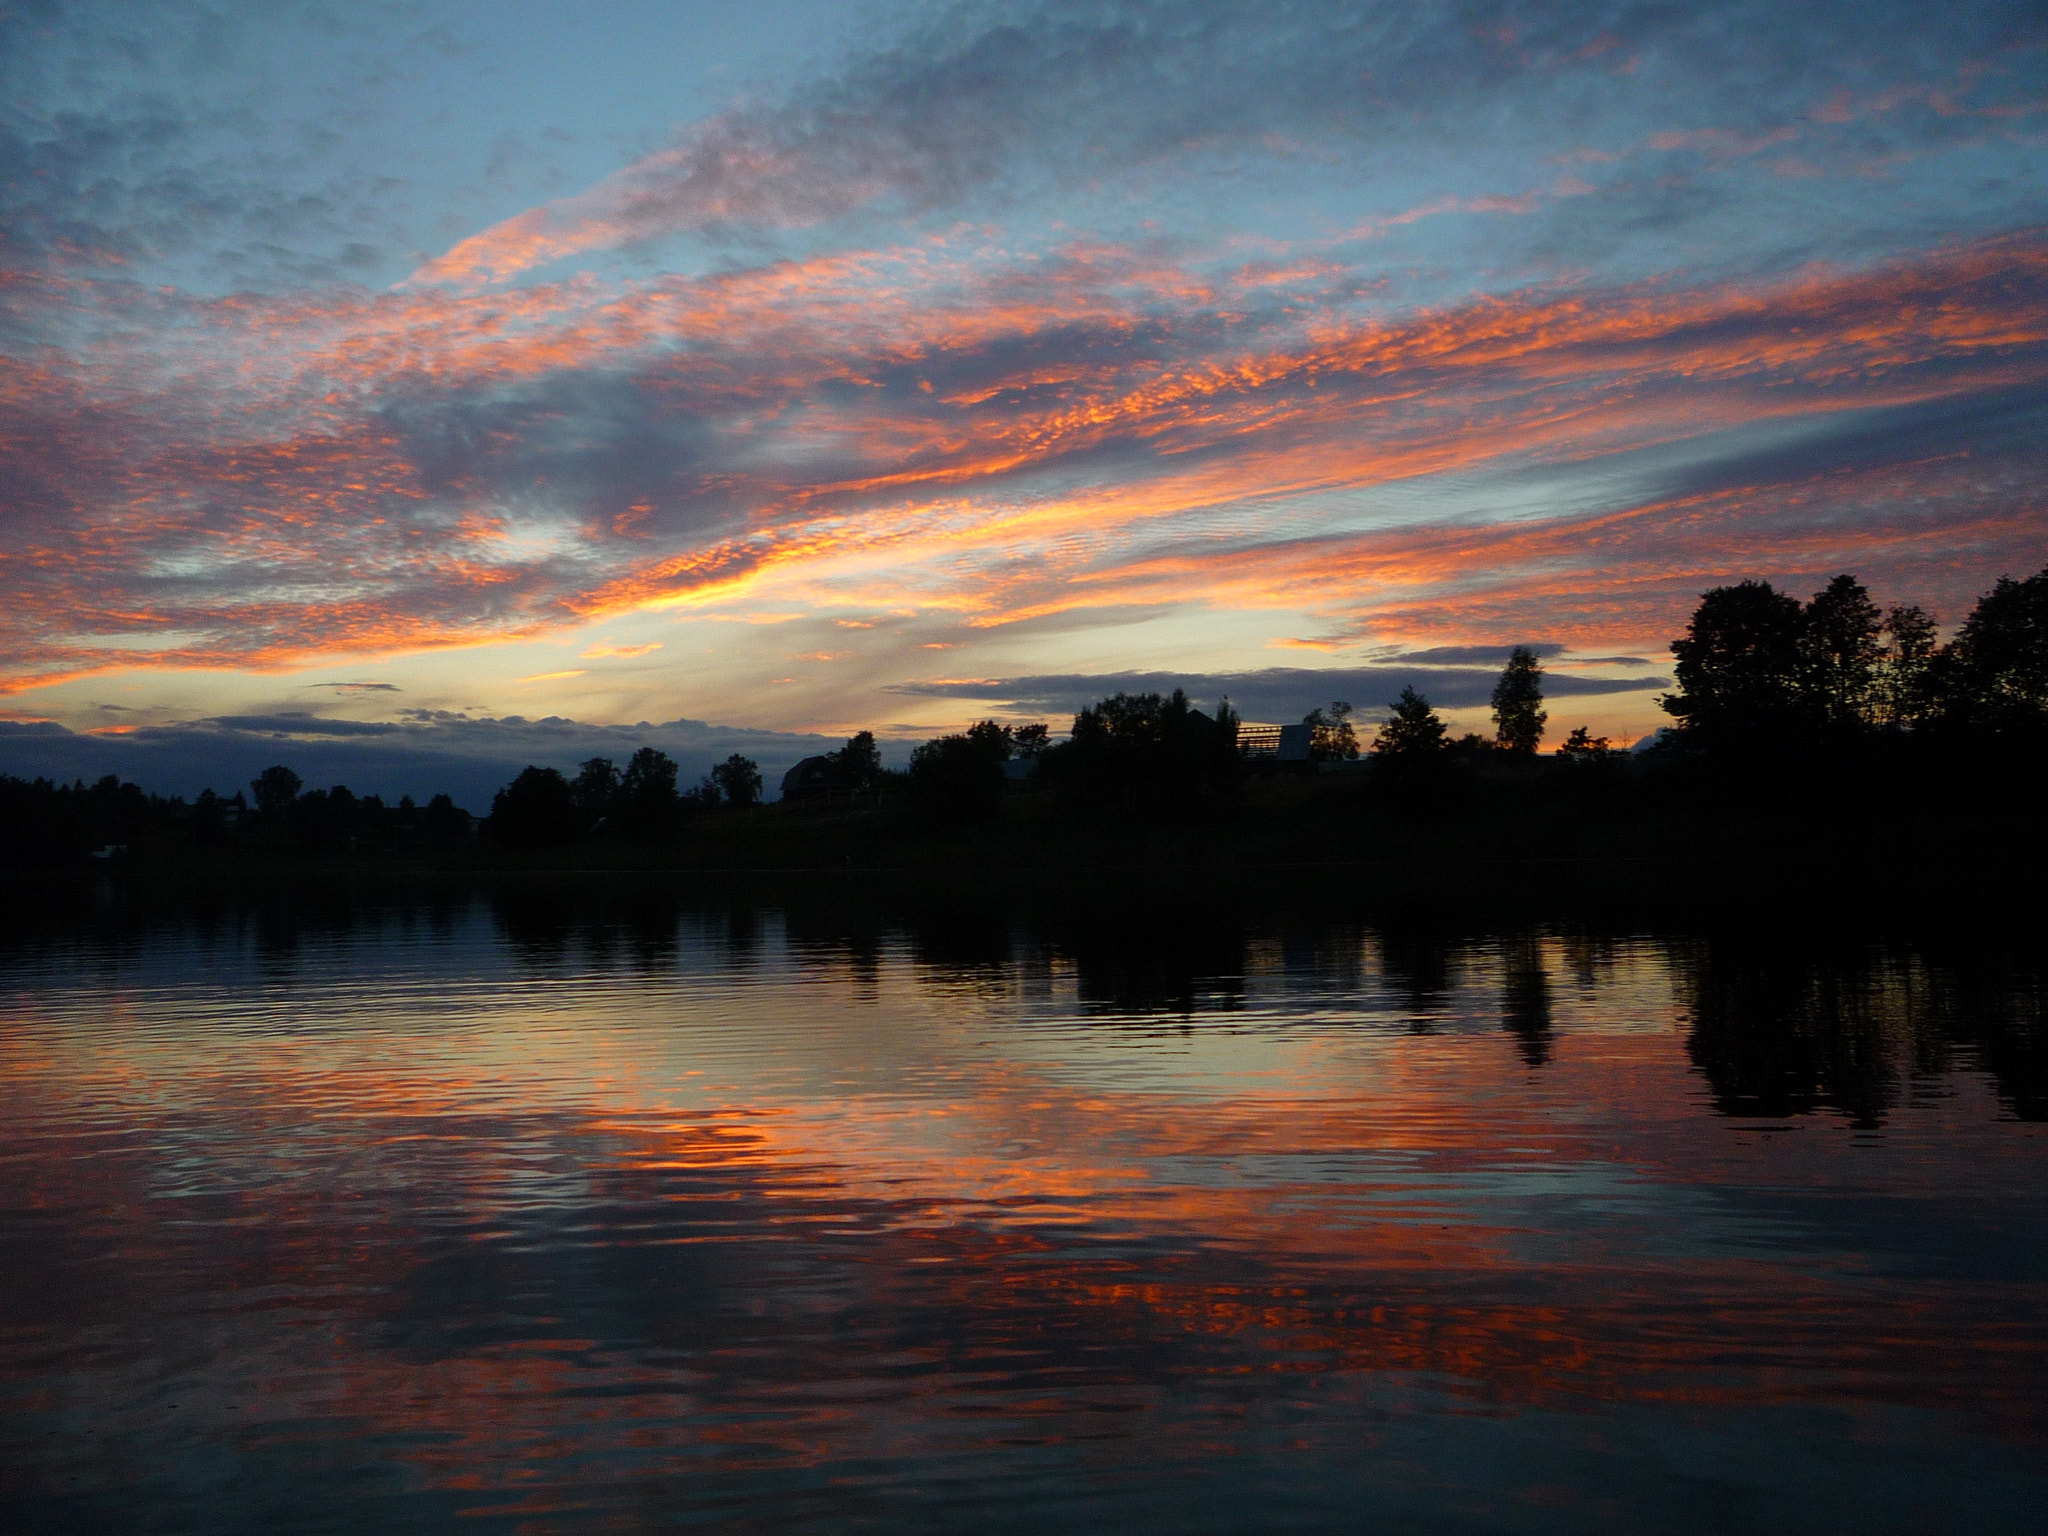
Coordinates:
621 652
948 334
1275 694
208 520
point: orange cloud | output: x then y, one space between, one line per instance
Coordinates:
283 488
620 652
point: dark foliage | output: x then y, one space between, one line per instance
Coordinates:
858 765
1839 653
739 781
1997 672
647 803
48 823
1760 675
536 810
444 822
1739 665
275 789
594 792
1412 736
1518 717
1583 747
1148 755
960 778
1332 738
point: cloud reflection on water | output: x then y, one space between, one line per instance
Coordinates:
545 1211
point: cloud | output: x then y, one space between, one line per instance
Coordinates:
1273 694
1042 313
1172 454
294 723
975 107
1464 655
621 652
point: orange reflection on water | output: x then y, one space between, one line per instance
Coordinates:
513 1237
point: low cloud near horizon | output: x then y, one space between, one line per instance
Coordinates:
423 756
1273 695
427 752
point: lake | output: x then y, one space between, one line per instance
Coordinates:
524 1213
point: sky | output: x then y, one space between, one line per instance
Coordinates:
406 392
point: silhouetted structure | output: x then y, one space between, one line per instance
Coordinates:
853 773
813 778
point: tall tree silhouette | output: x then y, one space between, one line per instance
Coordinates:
859 763
1518 717
647 790
960 778
1905 691
594 789
1839 653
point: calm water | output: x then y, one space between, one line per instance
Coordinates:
514 1218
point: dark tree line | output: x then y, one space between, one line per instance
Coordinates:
1761 678
1757 667
543 807
1761 675
1144 754
47 822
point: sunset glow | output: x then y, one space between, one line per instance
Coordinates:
1184 342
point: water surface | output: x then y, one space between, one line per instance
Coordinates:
514 1216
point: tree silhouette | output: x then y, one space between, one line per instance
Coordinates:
535 810
1332 738
739 780
960 778
1518 717
1149 754
1412 733
1905 690
1030 740
443 821
647 790
2000 657
1839 653
595 788
275 788
1738 663
859 763
1582 746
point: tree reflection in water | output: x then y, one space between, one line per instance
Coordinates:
551 1209
1784 1026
